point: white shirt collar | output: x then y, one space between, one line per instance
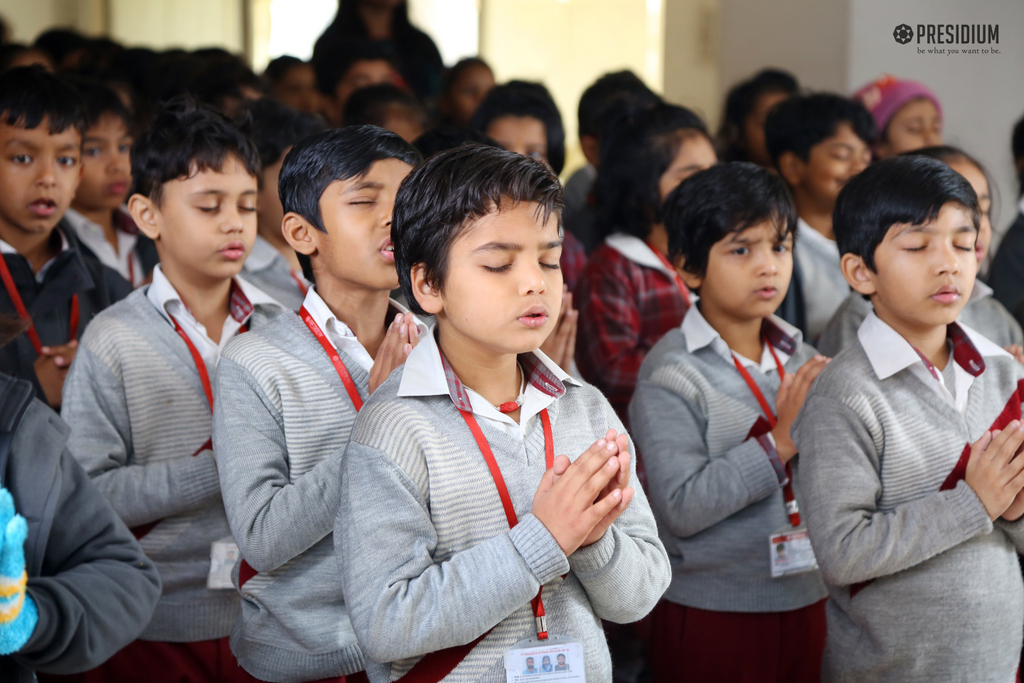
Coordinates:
6 248
91 235
638 251
804 231
699 333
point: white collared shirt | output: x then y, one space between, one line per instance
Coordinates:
91 235
6 248
165 298
639 252
824 286
889 352
340 335
424 375
698 333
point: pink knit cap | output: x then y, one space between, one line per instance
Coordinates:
885 96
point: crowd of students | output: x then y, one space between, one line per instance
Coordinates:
350 387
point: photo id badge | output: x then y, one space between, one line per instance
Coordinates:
223 558
791 552
554 659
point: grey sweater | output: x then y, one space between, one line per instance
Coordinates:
136 407
922 586
282 419
428 561
984 314
714 491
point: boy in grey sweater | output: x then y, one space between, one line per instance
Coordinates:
454 510
907 443
711 415
283 405
139 398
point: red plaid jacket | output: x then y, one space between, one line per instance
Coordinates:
625 308
573 260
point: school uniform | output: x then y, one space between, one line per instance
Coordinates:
922 585
430 568
135 256
136 402
983 313
268 269
628 297
716 485
1007 272
822 281
282 418
61 299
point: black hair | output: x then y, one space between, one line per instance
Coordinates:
276 127
372 105
454 73
801 122
1017 146
741 101
440 198
521 98
100 100
721 200
29 94
222 80
606 93
949 154
331 155
334 62
186 138
349 22
59 43
449 137
279 66
633 158
899 190
11 51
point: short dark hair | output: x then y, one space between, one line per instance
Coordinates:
454 73
1017 147
727 198
605 94
276 127
185 138
440 198
59 43
449 137
332 64
801 122
633 159
331 155
949 154
279 66
740 102
899 190
223 79
100 100
521 98
29 94
372 105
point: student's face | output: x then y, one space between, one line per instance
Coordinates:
297 89
404 123
924 274
269 212
356 249
695 154
980 184
916 125
39 173
361 74
747 274
503 287
830 164
520 134
106 166
753 128
204 225
466 94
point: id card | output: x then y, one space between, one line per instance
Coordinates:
223 558
554 659
791 552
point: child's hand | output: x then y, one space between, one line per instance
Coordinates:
52 368
792 393
560 346
620 482
401 337
18 614
993 471
1017 351
1016 509
568 505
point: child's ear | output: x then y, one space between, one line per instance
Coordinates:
857 273
791 168
692 281
298 233
146 215
427 297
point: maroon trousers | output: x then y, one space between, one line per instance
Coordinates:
695 645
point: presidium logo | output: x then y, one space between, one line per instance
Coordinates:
948 34
903 34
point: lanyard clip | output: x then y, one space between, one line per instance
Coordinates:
542 627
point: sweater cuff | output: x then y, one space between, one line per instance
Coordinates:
539 549
969 511
200 483
596 555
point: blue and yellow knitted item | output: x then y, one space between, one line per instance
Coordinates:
18 614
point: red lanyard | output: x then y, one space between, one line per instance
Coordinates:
204 375
332 353
675 276
302 285
19 305
787 491
506 501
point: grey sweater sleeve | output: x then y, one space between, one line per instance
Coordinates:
96 409
838 473
403 604
272 519
691 491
